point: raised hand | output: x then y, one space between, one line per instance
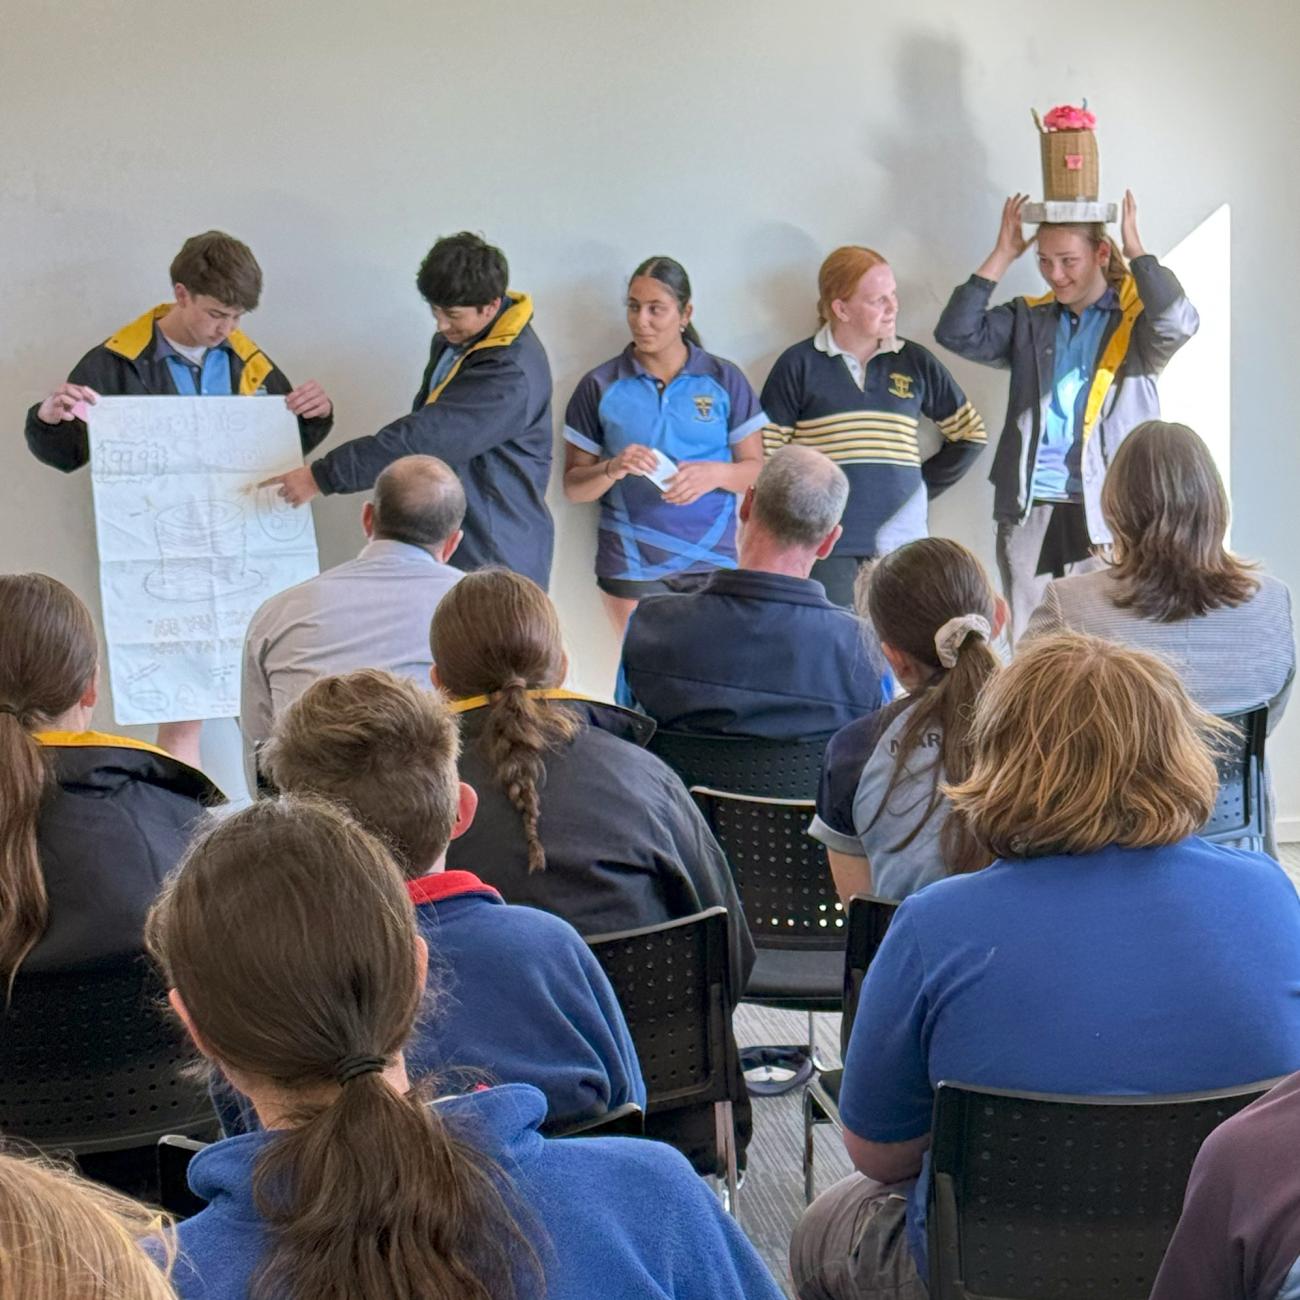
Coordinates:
66 402
1128 228
309 401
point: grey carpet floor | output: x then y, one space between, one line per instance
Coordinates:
772 1197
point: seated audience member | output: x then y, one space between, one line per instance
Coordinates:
574 815
371 612
1106 951
759 650
881 810
1173 588
90 824
361 1184
521 998
1239 1235
63 1238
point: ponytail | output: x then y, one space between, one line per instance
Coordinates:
519 731
288 934
48 656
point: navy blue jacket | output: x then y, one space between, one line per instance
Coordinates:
612 1216
490 420
750 654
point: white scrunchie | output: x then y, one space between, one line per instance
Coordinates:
950 638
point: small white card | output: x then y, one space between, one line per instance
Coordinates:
663 471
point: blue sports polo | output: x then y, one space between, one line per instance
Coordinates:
700 415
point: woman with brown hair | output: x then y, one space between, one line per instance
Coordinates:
857 392
881 810
1107 950
1174 588
63 1238
292 955
90 823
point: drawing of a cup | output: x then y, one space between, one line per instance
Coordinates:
201 544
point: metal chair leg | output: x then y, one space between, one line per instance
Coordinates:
729 1193
818 1064
808 1151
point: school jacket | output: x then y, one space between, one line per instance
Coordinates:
490 420
609 1216
128 365
116 818
625 844
1153 321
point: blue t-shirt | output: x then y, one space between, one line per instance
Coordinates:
706 409
1126 971
1058 469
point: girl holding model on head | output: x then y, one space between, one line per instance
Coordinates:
665 435
857 391
360 1183
881 810
1084 360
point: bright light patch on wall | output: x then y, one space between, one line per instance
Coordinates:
1196 389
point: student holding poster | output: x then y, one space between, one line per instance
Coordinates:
189 347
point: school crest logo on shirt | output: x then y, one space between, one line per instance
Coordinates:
900 385
703 407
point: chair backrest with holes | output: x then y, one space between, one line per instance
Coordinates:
1239 809
780 769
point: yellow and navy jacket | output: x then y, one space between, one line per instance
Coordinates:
811 399
1151 320
130 364
116 818
489 418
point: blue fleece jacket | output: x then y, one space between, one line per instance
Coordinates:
518 998
621 1217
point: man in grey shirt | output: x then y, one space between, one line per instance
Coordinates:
371 612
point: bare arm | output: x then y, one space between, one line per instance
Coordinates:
886 1162
696 477
587 477
852 875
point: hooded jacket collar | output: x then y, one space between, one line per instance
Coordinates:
131 341
508 324
103 762
620 722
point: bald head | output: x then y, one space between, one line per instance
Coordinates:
799 497
418 500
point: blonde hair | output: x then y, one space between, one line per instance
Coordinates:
1081 744
1117 269
384 749
840 273
63 1238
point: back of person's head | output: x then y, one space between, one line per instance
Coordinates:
840 273
219 266
48 657
1081 744
932 601
462 270
288 939
1167 508
670 273
382 748
64 1238
418 500
799 497
496 633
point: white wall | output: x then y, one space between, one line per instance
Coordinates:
745 137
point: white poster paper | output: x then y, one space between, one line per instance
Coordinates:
189 545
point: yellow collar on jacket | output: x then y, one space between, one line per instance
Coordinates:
96 739
132 339
505 329
478 701
1112 355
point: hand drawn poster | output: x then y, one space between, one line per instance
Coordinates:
189 545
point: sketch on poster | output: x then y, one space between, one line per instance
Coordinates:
189 544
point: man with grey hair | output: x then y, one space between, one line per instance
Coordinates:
370 612
760 651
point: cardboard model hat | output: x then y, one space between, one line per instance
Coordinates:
1071 168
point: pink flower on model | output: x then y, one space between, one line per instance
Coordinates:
1065 117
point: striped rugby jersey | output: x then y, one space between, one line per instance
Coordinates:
871 432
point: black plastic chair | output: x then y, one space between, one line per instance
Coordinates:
778 769
1239 811
673 982
1035 1195
91 1066
869 919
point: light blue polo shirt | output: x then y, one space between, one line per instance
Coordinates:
700 415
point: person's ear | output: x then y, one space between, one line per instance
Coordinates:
1000 615
828 542
433 677
90 696
182 1013
466 807
747 504
183 298
687 312
450 545
368 519
839 310
491 309
564 667
422 958
899 660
